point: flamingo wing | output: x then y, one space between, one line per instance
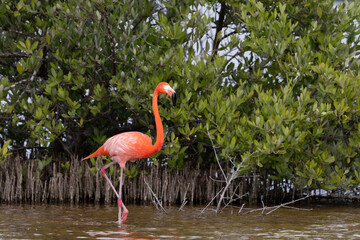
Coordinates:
128 146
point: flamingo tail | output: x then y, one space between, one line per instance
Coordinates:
100 151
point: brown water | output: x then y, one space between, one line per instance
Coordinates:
144 222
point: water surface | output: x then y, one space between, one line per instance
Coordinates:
50 221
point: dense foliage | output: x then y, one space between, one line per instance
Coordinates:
277 77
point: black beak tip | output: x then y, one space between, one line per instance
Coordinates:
173 98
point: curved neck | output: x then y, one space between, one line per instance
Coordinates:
159 127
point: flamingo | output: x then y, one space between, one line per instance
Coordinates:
130 146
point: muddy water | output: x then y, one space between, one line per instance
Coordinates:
144 222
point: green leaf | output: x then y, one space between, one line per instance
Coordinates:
309 182
34 46
5 147
233 141
330 159
21 45
19 68
20 5
28 44
47 38
319 11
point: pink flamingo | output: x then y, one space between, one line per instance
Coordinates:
130 146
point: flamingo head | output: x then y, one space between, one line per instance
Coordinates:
164 87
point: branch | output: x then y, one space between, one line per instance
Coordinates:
219 27
211 200
215 180
262 202
185 199
284 204
217 159
19 32
14 55
228 182
228 35
157 203
242 206
275 207
229 179
232 199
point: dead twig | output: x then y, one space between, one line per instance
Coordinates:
215 180
228 182
242 206
185 201
231 199
157 203
217 159
228 179
274 208
284 204
264 207
295 208
211 200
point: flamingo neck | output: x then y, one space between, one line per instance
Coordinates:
159 127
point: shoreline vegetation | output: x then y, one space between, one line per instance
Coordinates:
24 180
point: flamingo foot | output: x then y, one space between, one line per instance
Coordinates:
124 215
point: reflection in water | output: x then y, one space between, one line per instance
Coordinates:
100 222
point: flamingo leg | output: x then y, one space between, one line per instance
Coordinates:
122 218
120 204
104 174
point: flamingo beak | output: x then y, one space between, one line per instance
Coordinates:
173 98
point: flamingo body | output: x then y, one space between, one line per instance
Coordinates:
127 146
130 146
